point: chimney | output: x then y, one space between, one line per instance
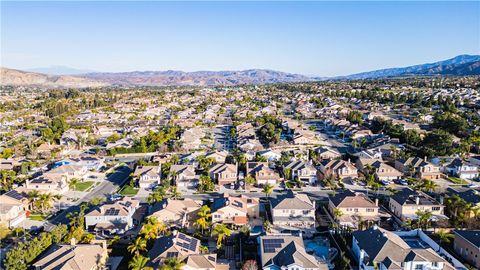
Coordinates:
73 242
384 234
417 200
375 227
376 201
425 158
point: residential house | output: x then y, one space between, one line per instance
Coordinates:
286 252
262 173
69 171
48 183
173 212
223 173
467 244
177 245
270 155
114 217
382 171
184 176
12 208
418 167
233 210
293 210
463 169
337 168
406 202
218 156
327 153
148 176
74 256
355 207
304 171
369 154
376 248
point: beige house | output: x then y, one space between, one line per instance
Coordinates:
337 168
12 211
235 210
467 245
224 173
69 171
48 183
176 244
148 176
82 256
180 213
420 168
113 218
184 176
406 202
383 171
354 207
327 153
262 173
293 211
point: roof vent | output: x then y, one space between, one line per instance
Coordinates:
375 227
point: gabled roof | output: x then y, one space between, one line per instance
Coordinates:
286 250
68 257
352 199
292 201
472 236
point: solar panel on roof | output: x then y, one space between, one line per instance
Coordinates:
172 254
211 258
14 194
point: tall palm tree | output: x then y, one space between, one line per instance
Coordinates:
139 262
444 237
32 197
267 189
203 218
72 184
221 231
174 193
337 213
429 185
204 249
44 202
172 263
138 245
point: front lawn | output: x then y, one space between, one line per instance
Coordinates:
457 180
82 186
128 191
37 217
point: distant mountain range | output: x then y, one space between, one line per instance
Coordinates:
461 65
458 66
59 70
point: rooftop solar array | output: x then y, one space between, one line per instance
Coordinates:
172 254
211 258
188 243
237 204
14 194
270 245
112 212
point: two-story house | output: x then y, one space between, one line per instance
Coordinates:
406 202
350 208
467 244
113 218
418 167
148 176
463 169
376 248
262 173
233 210
224 173
293 210
337 168
304 171
178 213
184 176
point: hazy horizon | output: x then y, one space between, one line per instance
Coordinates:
308 38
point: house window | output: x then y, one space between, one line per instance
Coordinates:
370 210
418 267
436 208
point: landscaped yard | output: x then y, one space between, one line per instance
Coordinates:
128 191
457 180
82 186
37 217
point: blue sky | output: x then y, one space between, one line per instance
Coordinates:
312 38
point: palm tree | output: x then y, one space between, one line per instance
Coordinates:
268 189
423 218
175 193
204 249
44 202
139 262
429 185
444 237
337 213
138 245
221 231
203 218
157 195
72 184
32 197
172 263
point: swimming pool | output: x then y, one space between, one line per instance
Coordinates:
318 246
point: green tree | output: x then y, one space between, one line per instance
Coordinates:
139 262
172 263
137 246
221 231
